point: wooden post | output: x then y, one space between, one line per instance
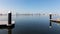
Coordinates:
50 16
9 17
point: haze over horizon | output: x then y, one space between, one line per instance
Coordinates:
30 6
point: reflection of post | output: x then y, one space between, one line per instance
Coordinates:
9 18
50 25
9 31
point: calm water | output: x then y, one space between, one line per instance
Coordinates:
32 25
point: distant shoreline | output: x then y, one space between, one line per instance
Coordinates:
29 14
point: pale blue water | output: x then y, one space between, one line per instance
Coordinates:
33 25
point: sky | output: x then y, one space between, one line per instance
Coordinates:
30 6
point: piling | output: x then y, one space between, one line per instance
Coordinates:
9 17
50 16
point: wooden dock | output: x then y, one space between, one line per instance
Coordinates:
5 23
9 22
55 20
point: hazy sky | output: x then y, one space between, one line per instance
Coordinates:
30 6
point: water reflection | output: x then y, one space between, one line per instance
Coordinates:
9 31
50 25
8 28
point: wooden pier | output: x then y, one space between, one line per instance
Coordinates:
55 20
5 23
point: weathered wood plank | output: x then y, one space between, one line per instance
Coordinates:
6 23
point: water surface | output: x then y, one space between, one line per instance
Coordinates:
32 25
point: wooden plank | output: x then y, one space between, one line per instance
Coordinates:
6 22
55 20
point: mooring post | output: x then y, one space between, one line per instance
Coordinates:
50 15
9 17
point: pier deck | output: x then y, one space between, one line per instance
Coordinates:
6 23
55 20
